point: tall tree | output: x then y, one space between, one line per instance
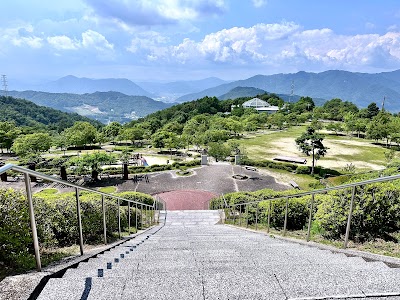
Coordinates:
81 134
310 143
8 133
91 162
34 143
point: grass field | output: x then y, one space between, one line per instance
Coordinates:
342 151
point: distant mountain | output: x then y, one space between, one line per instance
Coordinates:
359 88
75 85
102 106
240 91
169 91
27 113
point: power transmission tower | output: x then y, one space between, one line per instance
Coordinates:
5 85
291 91
383 103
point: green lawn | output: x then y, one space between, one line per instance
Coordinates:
342 151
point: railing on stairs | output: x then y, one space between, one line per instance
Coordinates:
144 208
234 211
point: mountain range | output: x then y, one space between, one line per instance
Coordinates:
359 88
123 100
101 106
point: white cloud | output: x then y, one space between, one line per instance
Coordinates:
284 44
21 36
63 43
370 25
94 40
147 41
128 13
259 3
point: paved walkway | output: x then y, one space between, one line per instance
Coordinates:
215 178
192 258
186 199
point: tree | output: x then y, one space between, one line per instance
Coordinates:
8 133
379 127
133 134
335 127
81 134
61 141
303 105
112 130
92 162
218 151
372 110
310 143
32 144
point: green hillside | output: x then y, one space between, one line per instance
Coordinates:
102 106
26 113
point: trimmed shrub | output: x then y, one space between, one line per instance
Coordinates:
303 170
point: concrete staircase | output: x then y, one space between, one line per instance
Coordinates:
192 257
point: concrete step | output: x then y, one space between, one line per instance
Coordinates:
183 260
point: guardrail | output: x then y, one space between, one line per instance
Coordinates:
235 210
144 208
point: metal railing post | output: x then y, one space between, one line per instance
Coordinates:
129 217
310 217
269 216
119 220
141 215
136 217
257 216
103 207
346 239
33 222
286 216
78 212
240 215
247 216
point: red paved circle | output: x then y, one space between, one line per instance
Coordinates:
187 199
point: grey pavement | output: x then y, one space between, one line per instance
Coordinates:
215 178
193 257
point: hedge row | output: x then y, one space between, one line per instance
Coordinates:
376 212
299 169
57 222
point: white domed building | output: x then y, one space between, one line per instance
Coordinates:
260 105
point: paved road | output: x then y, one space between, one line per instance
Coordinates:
191 258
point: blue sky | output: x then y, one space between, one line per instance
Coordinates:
166 40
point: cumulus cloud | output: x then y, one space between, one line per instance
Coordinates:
259 3
21 36
155 12
285 44
63 43
93 39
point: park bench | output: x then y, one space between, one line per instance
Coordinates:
294 184
250 168
297 160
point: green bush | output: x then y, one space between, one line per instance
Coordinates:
376 212
303 170
15 235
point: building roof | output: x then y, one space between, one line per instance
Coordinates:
256 102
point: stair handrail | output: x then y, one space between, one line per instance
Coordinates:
27 173
312 193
